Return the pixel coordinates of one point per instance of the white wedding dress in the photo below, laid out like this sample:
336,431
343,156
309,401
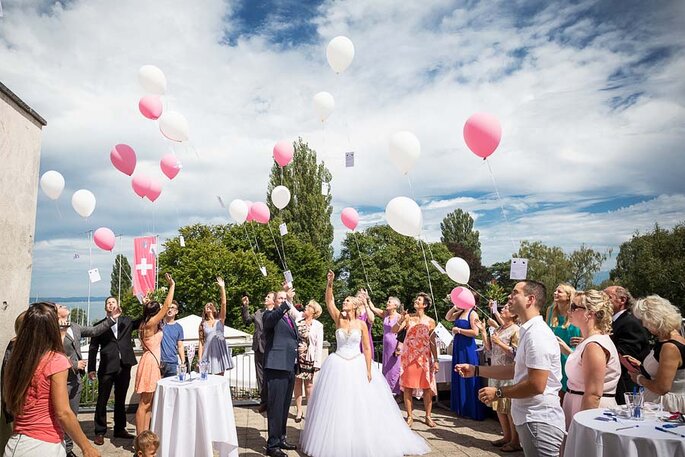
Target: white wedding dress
348,416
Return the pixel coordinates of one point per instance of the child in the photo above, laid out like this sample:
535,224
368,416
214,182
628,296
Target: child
146,444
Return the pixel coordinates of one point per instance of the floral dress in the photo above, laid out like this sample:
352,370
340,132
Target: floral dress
417,372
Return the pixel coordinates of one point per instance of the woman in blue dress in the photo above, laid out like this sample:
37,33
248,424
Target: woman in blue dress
213,348
464,396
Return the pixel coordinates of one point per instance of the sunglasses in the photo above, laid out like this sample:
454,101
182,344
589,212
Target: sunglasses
575,307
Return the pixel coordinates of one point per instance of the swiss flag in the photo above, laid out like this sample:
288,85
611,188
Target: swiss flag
144,266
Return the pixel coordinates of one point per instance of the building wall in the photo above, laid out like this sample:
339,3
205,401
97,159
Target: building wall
20,138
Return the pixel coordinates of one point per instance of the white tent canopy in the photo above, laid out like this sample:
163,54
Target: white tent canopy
191,325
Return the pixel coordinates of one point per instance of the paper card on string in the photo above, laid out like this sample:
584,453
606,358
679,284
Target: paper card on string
288,277
519,269
438,266
263,270
153,249
349,159
94,275
182,241
444,335
283,228
493,306
325,187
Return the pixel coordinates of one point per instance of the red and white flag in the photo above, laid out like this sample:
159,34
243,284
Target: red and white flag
144,265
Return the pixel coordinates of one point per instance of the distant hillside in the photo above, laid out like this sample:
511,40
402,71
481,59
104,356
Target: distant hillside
73,299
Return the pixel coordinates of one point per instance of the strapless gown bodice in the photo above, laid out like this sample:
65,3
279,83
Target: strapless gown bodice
348,343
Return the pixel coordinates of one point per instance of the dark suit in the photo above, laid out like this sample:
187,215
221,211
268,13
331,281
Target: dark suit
116,360
72,349
630,338
258,346
280,361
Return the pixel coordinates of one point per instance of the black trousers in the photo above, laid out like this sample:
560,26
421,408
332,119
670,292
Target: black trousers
120,380
259,370
74,387
280,385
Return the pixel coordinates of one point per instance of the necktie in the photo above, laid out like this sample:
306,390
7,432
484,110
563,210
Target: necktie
290,322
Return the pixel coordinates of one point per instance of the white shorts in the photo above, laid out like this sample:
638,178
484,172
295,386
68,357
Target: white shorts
25,446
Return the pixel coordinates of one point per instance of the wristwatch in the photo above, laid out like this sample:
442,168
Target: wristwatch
499,393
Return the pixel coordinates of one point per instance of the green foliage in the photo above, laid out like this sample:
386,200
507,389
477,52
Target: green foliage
395,266
457,227
78,315
583,264
496,292
308,214
120,286
225,251
654,263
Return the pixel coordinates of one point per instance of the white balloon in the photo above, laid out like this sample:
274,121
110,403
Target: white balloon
405,150
404,216
152,79
458,270
280,197
238,210
83,202
174,126
339,53
52,184
324,103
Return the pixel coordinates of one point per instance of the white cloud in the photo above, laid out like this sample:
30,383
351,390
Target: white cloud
420,67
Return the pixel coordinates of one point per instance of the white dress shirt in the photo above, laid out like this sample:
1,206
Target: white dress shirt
538,349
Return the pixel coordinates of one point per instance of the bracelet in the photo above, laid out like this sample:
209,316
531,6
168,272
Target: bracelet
637,380
476,369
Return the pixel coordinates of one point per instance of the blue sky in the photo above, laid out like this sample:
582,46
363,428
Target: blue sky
590,95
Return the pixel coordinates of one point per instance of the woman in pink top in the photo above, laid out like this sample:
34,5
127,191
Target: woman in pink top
36,389
593,368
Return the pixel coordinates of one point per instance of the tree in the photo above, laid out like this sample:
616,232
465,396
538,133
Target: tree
457,228
547,264
654,263
120,286
308,214
584,263
480,276
394,265
78,316
224,250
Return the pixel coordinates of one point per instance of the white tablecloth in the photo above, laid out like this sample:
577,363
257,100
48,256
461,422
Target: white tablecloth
444,374
589,437
192,417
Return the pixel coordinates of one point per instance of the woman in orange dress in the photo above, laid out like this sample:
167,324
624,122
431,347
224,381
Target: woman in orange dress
419,358
149,372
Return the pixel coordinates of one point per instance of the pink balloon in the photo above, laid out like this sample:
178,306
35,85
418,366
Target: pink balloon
154,191
260,212
462,298
150,106
123,158
283,153
170,165
104,238
141,185
482,133
250,217
350,218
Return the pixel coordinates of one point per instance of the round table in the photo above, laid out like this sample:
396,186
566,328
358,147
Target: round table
192,417
590,437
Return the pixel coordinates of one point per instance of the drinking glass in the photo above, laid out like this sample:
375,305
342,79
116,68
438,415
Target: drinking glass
181,372
635,405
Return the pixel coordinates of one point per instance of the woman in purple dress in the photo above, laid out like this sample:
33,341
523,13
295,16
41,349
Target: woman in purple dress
391,359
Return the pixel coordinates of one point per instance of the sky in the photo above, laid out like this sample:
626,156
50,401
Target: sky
590,95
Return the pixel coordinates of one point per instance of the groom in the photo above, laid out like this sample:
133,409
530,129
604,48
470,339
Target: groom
280,361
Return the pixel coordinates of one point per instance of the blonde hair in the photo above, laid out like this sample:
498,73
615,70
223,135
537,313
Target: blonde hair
317,308
659,314
357,302
598,302
145,441
554,309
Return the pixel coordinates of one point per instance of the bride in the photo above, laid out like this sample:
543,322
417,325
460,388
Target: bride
351,392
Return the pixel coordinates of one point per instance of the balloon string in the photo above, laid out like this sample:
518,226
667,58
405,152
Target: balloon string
254,233
59,213
430,284
285,267
256,259
361,259
501,204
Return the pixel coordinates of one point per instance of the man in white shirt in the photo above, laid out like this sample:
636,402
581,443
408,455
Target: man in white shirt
536,372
